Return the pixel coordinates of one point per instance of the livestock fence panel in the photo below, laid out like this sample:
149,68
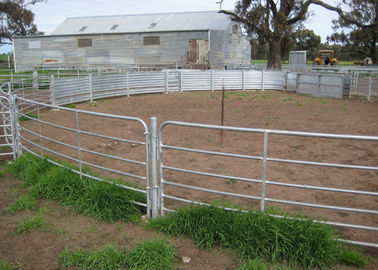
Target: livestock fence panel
65,90
251,176
118,150
320,84
364,85
7,138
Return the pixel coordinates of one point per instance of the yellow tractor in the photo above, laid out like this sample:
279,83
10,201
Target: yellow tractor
325,58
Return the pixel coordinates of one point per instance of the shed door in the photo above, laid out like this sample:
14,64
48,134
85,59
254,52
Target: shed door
198,51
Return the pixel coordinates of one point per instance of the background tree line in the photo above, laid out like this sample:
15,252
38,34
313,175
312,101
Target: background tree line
276,26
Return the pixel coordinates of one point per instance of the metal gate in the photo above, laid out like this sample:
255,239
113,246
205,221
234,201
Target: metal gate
184,177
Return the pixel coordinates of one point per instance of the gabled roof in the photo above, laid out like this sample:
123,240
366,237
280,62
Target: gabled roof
184,21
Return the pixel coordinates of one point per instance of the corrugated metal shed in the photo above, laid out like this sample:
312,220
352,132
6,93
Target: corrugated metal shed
184,21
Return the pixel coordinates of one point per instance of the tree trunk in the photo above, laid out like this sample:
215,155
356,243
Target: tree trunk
373,49
274,57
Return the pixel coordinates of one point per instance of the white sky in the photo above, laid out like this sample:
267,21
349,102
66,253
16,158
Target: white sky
49,15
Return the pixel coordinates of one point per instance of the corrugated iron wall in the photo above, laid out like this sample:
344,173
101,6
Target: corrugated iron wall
124,49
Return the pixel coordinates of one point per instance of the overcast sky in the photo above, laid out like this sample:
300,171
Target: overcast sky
49,15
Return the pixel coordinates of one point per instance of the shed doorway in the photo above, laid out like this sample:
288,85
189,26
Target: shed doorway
198,51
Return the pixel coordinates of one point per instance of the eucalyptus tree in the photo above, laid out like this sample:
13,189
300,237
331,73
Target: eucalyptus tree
16,19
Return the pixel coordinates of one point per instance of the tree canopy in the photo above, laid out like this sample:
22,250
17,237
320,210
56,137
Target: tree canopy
16,20
362,23
270,21
274,22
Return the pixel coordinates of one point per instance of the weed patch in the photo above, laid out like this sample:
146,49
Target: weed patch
354,258
151,254
7,266
103,200
27,117
255,235
25,202
32,223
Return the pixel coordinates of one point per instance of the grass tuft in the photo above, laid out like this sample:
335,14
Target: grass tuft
25,202
32,223
150,254
255,235
7,266
354,257
103,200
106,258
27,117
250,264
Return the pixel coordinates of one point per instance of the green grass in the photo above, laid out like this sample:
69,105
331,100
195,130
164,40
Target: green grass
231,181
151,254
32,223
71,106
103,200
255,235
25,202
7,266
354,257
27,117
250,264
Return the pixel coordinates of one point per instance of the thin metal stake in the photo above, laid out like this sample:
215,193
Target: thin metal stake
263,184
222,112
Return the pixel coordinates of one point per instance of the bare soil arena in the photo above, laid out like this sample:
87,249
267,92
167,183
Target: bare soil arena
265,110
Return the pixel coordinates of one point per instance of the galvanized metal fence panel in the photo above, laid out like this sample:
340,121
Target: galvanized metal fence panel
73,89
364,85
6,127
194,80
169,179
320,84
36,138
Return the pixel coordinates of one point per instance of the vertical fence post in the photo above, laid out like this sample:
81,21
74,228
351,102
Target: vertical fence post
128,83
318,83
90,87
166,81
17,150
212,80
154,169
52,90
262,80
35,79
243,80
369,88
351,85
263,184
180,81
148,178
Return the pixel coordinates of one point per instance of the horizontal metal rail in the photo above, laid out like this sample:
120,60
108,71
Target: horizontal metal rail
83,149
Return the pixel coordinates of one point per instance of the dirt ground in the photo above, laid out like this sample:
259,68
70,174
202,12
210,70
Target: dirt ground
264,110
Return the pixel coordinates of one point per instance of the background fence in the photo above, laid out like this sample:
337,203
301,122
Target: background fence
113,155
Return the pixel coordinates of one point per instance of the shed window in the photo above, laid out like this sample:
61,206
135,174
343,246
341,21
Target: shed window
84,42
114,27
82,29
152,25
153,40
